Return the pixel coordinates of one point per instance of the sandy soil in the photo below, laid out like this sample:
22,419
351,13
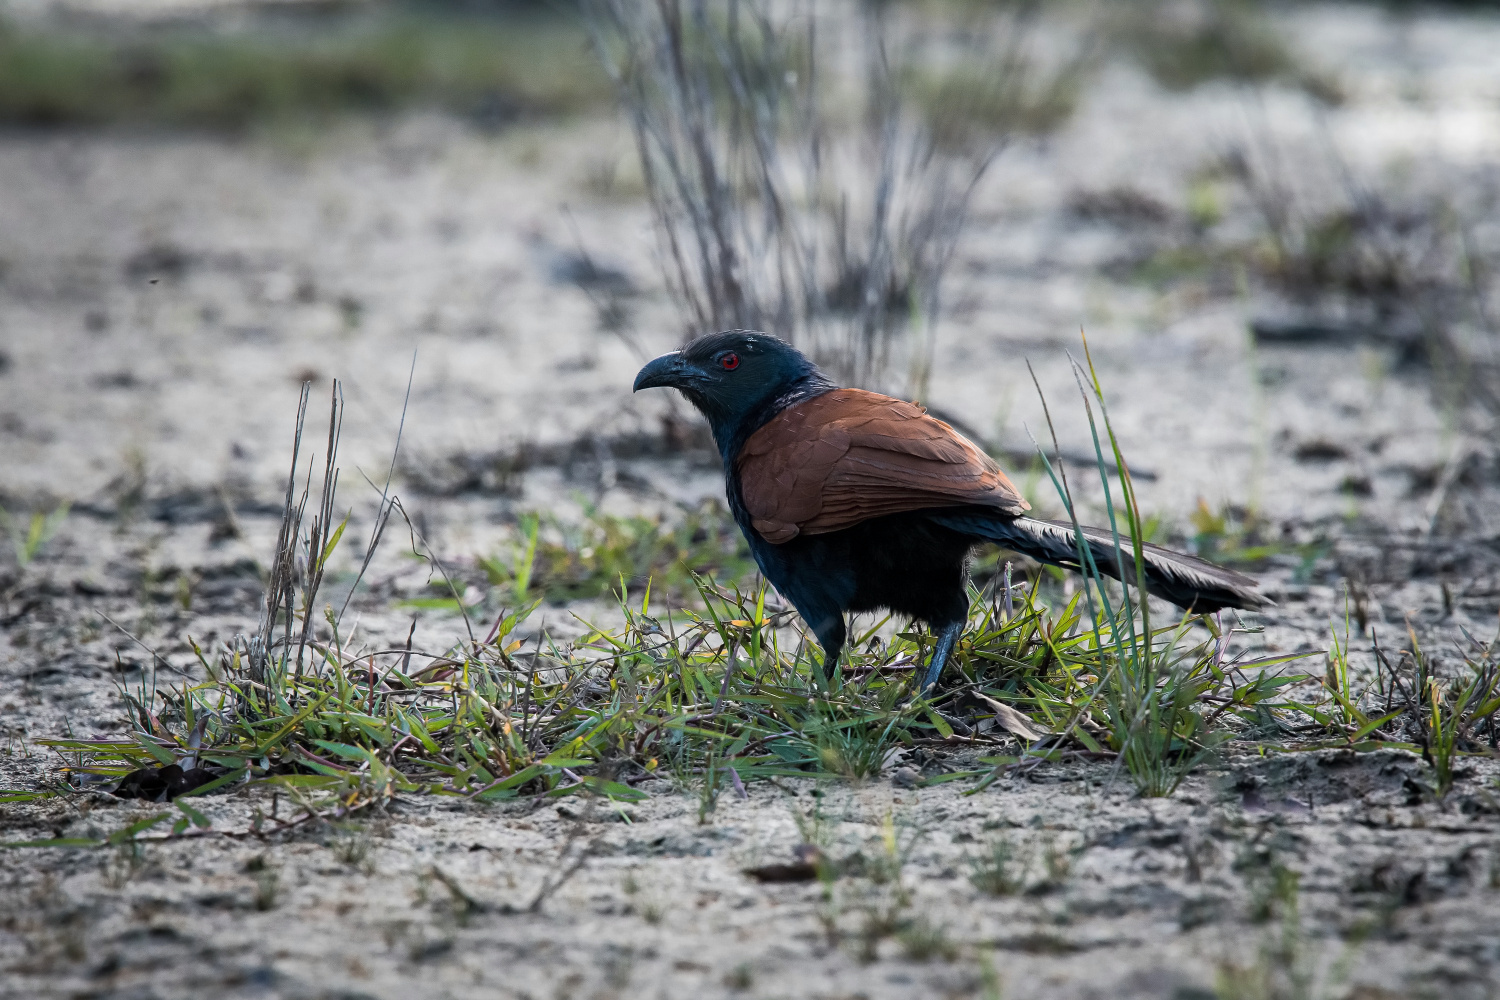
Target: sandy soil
162,296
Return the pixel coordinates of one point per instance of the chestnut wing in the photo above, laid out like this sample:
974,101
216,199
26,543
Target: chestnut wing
849,455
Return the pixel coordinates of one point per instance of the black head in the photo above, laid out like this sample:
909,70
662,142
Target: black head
730,377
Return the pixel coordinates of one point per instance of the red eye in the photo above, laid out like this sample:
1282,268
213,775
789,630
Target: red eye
729,362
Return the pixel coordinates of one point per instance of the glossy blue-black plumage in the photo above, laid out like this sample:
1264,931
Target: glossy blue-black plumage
904,562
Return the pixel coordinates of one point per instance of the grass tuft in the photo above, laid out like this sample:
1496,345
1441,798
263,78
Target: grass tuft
998,871
923,940
267,888
28,538
1218,40
1288,964
1443,717
1155,685
558,561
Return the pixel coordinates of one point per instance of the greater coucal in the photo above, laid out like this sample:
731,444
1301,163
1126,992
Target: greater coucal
854,501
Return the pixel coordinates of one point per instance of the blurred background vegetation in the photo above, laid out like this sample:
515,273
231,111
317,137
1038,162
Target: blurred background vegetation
492,63
223,66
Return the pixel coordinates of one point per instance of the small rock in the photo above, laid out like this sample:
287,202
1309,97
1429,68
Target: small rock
906,777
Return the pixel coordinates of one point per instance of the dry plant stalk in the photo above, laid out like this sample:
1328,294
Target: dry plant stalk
799,182
299,559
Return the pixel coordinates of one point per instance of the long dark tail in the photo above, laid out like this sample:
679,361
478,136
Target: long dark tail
1186,581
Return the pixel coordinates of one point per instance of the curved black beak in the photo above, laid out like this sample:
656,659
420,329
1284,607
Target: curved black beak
667,371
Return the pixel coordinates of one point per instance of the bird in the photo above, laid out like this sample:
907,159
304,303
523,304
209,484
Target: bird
855,501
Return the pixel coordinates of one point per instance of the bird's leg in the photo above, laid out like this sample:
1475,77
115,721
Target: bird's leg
946,640
831,634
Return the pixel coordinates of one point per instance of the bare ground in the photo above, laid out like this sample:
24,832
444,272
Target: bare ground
162,296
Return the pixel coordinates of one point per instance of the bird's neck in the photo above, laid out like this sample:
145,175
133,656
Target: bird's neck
731,433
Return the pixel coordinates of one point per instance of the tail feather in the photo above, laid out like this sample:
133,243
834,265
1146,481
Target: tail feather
1186,581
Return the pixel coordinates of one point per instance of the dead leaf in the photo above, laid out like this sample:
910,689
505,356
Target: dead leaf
1013,720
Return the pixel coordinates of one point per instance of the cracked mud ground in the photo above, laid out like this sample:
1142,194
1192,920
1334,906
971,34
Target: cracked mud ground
162,296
